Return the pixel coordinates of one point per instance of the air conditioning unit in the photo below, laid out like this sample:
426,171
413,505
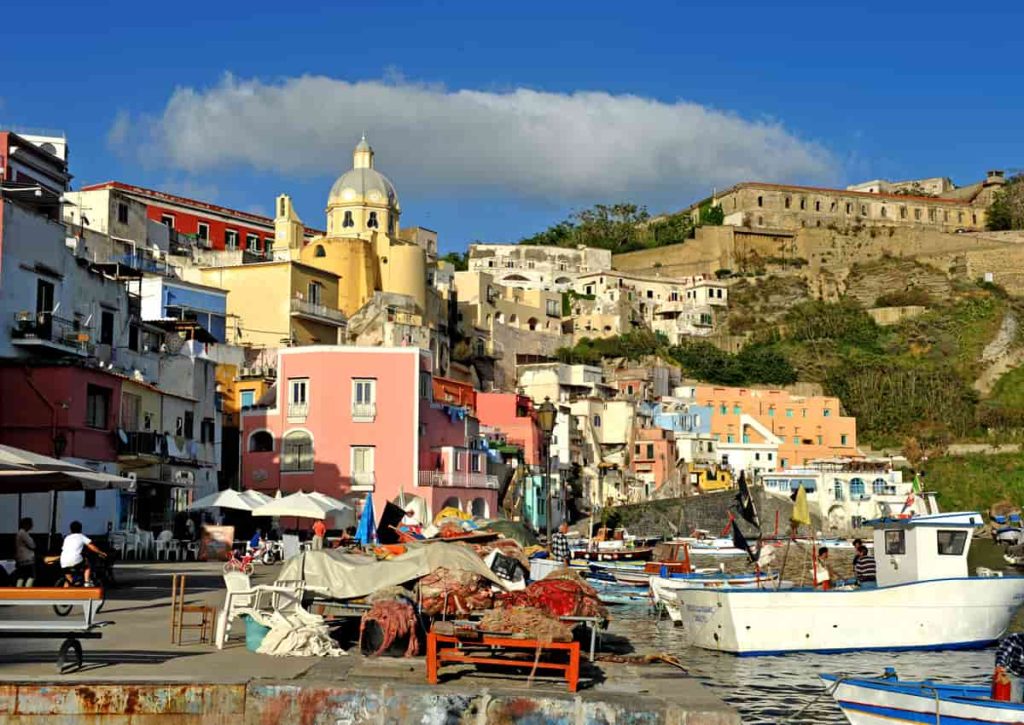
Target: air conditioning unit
246,372
185,478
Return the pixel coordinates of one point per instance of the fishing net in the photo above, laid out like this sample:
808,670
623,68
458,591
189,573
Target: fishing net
536,623
560,597
454,591
396,618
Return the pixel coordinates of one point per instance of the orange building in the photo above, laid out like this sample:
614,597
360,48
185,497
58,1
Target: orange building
455,392
808,427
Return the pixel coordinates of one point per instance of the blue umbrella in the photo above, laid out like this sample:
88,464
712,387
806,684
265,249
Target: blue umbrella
367,531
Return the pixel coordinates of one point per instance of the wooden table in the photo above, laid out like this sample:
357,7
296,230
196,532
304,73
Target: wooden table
443,648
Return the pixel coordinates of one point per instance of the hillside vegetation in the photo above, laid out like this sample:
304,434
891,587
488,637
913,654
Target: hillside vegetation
913,380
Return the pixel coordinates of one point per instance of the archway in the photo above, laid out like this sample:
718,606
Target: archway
479,508
452,501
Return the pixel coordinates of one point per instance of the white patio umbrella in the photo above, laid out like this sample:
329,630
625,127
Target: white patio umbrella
300,504
256,498
227,499
23,471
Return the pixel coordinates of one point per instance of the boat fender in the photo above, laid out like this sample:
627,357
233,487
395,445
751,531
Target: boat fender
1000,685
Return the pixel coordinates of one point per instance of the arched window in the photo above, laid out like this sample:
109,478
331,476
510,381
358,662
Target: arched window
452,502
479,508
261,442
319,251
837,490
788,202
513,319
371,223
348,221
856,488
760,201
878,486
297,451
532,323
500,318
884,212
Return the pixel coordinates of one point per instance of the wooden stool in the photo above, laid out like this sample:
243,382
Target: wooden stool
207,614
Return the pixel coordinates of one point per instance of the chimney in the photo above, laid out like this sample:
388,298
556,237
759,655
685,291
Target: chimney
995,178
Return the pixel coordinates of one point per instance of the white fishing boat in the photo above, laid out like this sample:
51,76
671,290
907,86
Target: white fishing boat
924,599
664,589
878,700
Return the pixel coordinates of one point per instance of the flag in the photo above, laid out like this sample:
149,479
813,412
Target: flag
801,514
745,502
366,533
916,487
741,543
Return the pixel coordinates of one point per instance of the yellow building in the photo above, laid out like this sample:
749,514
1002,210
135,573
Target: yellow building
279,303
362,246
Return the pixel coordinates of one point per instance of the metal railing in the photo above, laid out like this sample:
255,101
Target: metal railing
324,312
460,479
141,443
298,410
365,479
364,410
47,327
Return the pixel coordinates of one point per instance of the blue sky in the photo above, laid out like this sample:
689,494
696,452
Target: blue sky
495,120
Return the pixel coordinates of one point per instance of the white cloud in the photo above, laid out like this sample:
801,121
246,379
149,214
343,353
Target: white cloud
562,146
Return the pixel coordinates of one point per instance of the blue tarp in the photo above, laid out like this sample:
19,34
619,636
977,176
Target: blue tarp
366,533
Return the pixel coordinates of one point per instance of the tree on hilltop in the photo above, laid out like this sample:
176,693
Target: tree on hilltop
1007,210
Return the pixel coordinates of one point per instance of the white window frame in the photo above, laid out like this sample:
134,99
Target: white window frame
363,477
315,293
165,218
201,235
364,400
296,466
298,404
230,239
252,242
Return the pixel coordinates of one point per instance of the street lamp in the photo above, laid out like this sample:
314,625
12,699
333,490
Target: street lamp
546,414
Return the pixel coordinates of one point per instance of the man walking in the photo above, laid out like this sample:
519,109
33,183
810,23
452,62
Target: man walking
560,545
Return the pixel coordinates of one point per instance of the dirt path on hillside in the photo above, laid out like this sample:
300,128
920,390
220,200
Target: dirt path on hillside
999,354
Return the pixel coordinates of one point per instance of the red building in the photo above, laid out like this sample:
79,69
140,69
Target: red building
454,392
212,226
513,415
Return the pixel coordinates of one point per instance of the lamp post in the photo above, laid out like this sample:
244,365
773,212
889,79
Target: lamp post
546,414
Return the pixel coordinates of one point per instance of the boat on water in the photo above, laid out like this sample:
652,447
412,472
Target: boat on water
665,589
667,558
1007,528
924,599
615,545
877,700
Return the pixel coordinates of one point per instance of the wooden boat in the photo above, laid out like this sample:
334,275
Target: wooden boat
887,699
924,599
613,545
665,589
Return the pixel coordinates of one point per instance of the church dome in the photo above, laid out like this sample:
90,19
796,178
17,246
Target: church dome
363,184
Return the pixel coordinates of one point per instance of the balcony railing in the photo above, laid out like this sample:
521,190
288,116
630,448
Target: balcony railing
141,443
459,479
298,410
43,328
363,481
321,312
365,411
146,264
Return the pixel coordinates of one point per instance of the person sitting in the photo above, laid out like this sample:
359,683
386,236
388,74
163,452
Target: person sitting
72,557
255,542
864,567
823,570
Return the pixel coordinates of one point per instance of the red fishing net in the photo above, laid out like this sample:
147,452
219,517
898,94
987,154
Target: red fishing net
560,597
454,591
396,618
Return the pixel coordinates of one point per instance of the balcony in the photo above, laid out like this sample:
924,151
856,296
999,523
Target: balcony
44,332
317,313
364,411
458,479
147,264
135,444
362,482
298,410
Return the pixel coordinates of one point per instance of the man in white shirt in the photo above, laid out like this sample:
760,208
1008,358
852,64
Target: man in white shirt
72,552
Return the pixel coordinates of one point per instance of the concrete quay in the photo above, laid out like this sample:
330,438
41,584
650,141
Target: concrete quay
134,676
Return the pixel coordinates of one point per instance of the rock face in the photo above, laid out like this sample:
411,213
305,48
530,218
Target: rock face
868,282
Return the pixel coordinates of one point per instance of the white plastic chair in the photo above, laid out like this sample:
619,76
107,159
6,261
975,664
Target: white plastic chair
259,602
165,546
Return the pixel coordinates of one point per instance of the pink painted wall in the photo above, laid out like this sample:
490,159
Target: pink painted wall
330,372
498,410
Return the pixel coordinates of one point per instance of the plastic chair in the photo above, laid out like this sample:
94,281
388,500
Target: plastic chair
165,546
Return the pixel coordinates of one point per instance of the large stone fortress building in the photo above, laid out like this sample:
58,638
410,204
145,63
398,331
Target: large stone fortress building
934,204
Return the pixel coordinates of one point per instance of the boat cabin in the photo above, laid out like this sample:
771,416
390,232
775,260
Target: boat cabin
922,548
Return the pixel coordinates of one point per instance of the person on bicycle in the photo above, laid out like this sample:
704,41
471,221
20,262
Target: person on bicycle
72,556
255,542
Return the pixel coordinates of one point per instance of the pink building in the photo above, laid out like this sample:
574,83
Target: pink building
513,415
654,457
351,420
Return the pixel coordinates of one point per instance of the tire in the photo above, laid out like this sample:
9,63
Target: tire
63,610
248,569
268,558
72,647
230,567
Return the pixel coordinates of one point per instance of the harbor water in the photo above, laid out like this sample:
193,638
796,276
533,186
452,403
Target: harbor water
768,690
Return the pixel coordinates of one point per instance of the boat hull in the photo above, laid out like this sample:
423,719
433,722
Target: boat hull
615,555
938,614
871,701
664,589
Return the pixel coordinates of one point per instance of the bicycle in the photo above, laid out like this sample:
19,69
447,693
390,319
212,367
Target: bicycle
73,576
243,564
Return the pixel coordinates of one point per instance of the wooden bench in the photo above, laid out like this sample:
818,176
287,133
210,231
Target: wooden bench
71,631
486,649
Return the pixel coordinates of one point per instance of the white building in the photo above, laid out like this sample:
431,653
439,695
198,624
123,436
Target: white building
537,267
